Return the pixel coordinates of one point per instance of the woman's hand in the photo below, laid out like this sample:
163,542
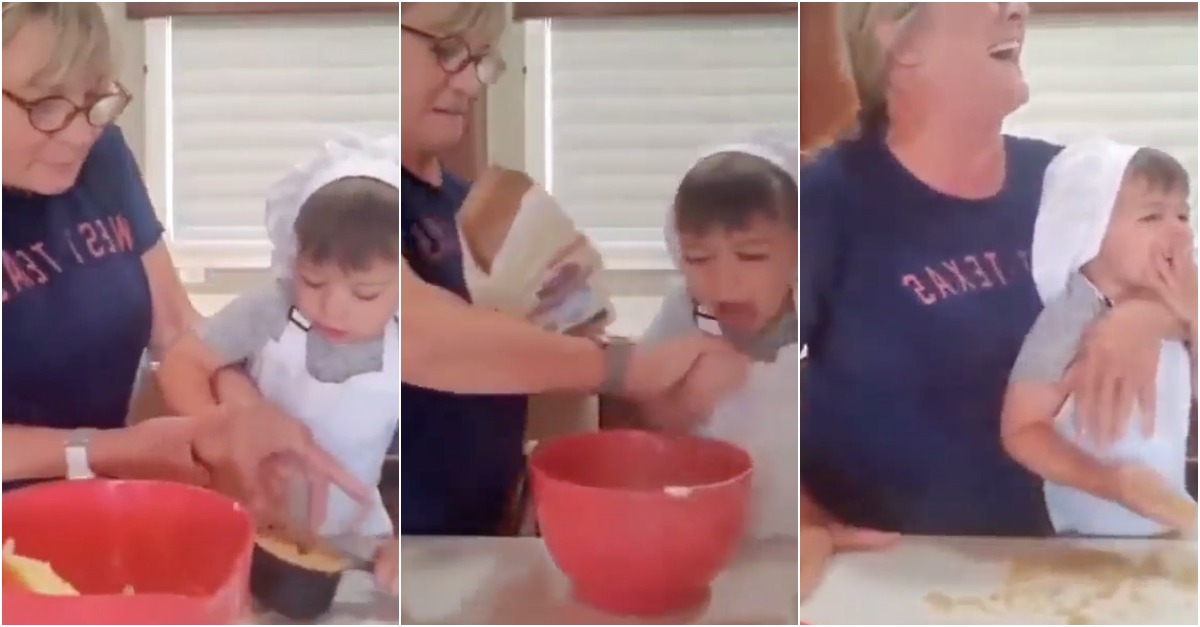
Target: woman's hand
818,544
257,450
657,368
816,547
690,402
387,567
712,379
1117,367
158,448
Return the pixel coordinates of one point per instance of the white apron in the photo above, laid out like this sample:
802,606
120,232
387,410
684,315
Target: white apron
355,420
1075,511
763,419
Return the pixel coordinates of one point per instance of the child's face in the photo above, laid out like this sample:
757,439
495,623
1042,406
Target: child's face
347,306
1148,222
743,277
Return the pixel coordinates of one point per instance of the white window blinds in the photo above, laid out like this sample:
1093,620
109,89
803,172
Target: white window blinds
248,97
618,109
1131,78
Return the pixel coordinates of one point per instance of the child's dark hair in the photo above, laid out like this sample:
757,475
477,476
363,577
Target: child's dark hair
351,222
1159,170
728,189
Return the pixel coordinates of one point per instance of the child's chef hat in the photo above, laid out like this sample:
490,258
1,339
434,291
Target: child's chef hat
1078,196
348,155
779,146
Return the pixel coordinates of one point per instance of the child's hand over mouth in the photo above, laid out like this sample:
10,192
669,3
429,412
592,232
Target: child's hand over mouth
1174,279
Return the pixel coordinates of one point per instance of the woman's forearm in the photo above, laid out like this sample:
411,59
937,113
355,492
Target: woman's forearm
41,453
33,453
232,385
449,345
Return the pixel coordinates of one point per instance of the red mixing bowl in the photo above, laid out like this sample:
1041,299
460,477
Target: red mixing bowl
639,522
184,550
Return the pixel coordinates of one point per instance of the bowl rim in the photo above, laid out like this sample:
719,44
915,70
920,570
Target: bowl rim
688,490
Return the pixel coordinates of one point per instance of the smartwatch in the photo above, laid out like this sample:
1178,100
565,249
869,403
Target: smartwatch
78,466
618,353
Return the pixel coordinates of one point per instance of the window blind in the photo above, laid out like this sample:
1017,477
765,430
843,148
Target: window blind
251,96
630,102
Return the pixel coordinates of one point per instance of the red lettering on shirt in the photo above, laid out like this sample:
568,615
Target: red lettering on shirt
979,272
38,263
119,227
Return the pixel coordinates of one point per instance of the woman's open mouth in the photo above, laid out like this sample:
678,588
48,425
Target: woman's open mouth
1007,51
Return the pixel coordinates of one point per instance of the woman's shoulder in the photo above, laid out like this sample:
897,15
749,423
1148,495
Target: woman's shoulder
1031,153
826,168
419,198
110,184
110,168
111,151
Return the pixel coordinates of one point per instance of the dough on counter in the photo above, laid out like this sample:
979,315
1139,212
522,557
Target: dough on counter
1074,584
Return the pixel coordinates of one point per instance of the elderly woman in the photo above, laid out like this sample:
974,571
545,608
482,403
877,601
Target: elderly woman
467,370
89,285
916,290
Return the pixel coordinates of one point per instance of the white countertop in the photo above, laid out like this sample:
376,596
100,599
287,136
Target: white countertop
513,581
913,583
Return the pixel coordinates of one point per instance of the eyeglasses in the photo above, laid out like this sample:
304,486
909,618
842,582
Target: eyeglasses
55,113
454,55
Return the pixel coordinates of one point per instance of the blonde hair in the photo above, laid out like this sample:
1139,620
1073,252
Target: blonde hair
869,60
485,19
81,39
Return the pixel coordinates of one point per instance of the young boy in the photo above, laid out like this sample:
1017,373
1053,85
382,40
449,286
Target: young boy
322,340
733,235
1112,227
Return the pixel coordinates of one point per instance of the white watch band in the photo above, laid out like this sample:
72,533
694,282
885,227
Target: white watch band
78,466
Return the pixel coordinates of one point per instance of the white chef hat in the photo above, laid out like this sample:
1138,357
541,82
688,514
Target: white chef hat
781,147
1078,196
348,155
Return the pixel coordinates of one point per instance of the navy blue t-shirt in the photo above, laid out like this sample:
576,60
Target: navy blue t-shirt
77,312
461,454
914,305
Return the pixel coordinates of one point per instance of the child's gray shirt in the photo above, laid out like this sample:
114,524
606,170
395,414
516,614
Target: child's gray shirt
243,327
1052,343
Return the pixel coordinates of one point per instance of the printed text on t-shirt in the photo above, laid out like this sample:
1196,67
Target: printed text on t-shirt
37,263
966,274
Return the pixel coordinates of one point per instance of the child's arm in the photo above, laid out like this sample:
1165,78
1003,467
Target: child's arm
1027,431
1036,393
231,336
1034,398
